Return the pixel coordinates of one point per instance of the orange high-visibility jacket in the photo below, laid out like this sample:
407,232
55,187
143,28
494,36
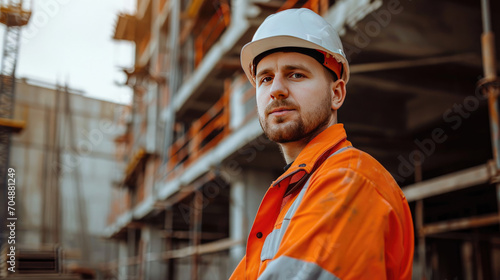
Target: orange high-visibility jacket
348,220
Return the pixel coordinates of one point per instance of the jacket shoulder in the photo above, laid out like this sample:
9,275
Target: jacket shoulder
355,162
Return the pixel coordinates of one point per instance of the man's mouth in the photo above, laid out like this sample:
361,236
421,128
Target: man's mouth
280,111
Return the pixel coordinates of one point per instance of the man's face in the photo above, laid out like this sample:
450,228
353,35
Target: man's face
294,97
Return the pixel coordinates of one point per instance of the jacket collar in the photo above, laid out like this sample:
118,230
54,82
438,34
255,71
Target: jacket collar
329,140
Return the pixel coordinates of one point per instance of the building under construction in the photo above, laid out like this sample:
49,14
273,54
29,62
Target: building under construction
195,164
62,161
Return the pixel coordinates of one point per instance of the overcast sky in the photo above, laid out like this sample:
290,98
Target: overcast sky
71,40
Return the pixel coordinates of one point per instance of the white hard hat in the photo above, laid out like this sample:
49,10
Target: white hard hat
301,28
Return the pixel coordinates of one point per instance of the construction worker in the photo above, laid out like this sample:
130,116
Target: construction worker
335,213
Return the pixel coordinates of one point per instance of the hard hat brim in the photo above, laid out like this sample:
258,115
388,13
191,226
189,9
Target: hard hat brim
253,49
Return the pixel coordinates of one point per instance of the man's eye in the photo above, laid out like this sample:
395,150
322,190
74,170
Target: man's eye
265,80
297,76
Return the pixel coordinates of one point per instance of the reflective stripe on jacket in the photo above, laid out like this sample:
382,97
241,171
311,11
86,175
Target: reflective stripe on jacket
350,220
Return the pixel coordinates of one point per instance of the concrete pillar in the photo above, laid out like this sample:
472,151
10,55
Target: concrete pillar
152,115
237,223
144,267
257,182
237,111
238,10
156,269
247,191
468,260
122,260
132,251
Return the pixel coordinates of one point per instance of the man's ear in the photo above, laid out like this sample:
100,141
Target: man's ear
338,94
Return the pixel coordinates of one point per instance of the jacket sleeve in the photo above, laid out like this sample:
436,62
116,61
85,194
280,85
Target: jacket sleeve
342,229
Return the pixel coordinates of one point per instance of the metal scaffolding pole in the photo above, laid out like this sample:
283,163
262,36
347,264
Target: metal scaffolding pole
79,195
195,228
56,151
419,223
169,246
489,83
490,86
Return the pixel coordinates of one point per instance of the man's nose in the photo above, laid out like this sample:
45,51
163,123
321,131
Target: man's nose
279,88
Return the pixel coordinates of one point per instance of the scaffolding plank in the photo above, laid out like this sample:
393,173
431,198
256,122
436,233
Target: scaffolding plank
466,223
188,235
212,247
451,182
427,61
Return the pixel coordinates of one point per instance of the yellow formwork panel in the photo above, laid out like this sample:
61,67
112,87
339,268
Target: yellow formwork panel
14,125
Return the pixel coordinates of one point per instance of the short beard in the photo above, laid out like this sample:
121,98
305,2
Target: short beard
298,130
294,132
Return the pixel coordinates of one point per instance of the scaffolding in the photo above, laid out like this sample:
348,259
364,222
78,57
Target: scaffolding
165,221
14,17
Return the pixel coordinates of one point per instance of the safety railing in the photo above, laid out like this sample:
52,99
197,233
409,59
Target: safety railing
144,188
212,31
204,133
143,44
120,204
141,192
